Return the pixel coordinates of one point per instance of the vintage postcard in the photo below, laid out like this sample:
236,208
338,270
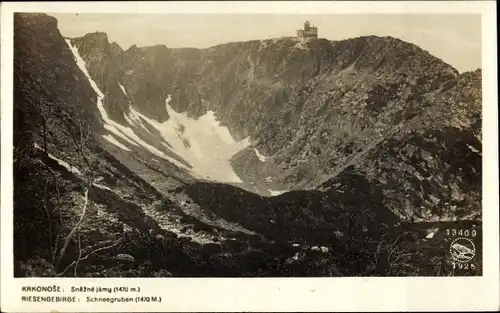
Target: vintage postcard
249,156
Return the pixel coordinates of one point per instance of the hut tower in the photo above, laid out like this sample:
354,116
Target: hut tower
308,31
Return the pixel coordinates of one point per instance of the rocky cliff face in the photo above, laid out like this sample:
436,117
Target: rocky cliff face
366,134
311,109
60,170
72,193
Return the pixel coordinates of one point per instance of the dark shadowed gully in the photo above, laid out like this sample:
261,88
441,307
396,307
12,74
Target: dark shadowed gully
279,157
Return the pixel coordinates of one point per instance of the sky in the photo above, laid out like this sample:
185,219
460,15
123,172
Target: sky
456,39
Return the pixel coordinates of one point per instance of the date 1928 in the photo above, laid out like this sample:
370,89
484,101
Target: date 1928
464,266
462,249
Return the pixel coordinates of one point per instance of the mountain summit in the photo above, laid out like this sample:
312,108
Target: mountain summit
300,103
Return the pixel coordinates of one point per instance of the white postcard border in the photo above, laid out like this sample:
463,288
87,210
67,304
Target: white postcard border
278,294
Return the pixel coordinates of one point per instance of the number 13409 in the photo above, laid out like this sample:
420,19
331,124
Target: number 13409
461,232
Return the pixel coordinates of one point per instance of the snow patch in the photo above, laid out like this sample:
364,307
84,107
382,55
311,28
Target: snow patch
113,140
70,168
202,142
65,164
101,186
277,192
473,149
261,157
109,124
81,64
129,121
123,89
74,170
126,133
134,119
166,145
115,131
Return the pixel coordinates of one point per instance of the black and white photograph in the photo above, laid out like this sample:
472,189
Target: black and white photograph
249,156
247,145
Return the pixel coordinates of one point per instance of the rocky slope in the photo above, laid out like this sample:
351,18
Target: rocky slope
311,109
173,154
64,170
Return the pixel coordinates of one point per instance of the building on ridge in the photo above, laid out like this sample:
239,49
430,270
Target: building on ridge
308,31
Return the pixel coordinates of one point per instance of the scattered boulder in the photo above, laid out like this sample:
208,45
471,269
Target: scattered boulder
125,257
338,234
431,233
297,257
126,228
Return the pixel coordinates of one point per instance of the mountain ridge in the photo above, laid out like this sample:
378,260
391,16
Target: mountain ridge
274,39
187,75
362,41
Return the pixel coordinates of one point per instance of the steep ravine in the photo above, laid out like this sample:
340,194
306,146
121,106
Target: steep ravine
309,110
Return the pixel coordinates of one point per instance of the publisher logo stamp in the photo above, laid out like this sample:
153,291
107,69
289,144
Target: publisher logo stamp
462,250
